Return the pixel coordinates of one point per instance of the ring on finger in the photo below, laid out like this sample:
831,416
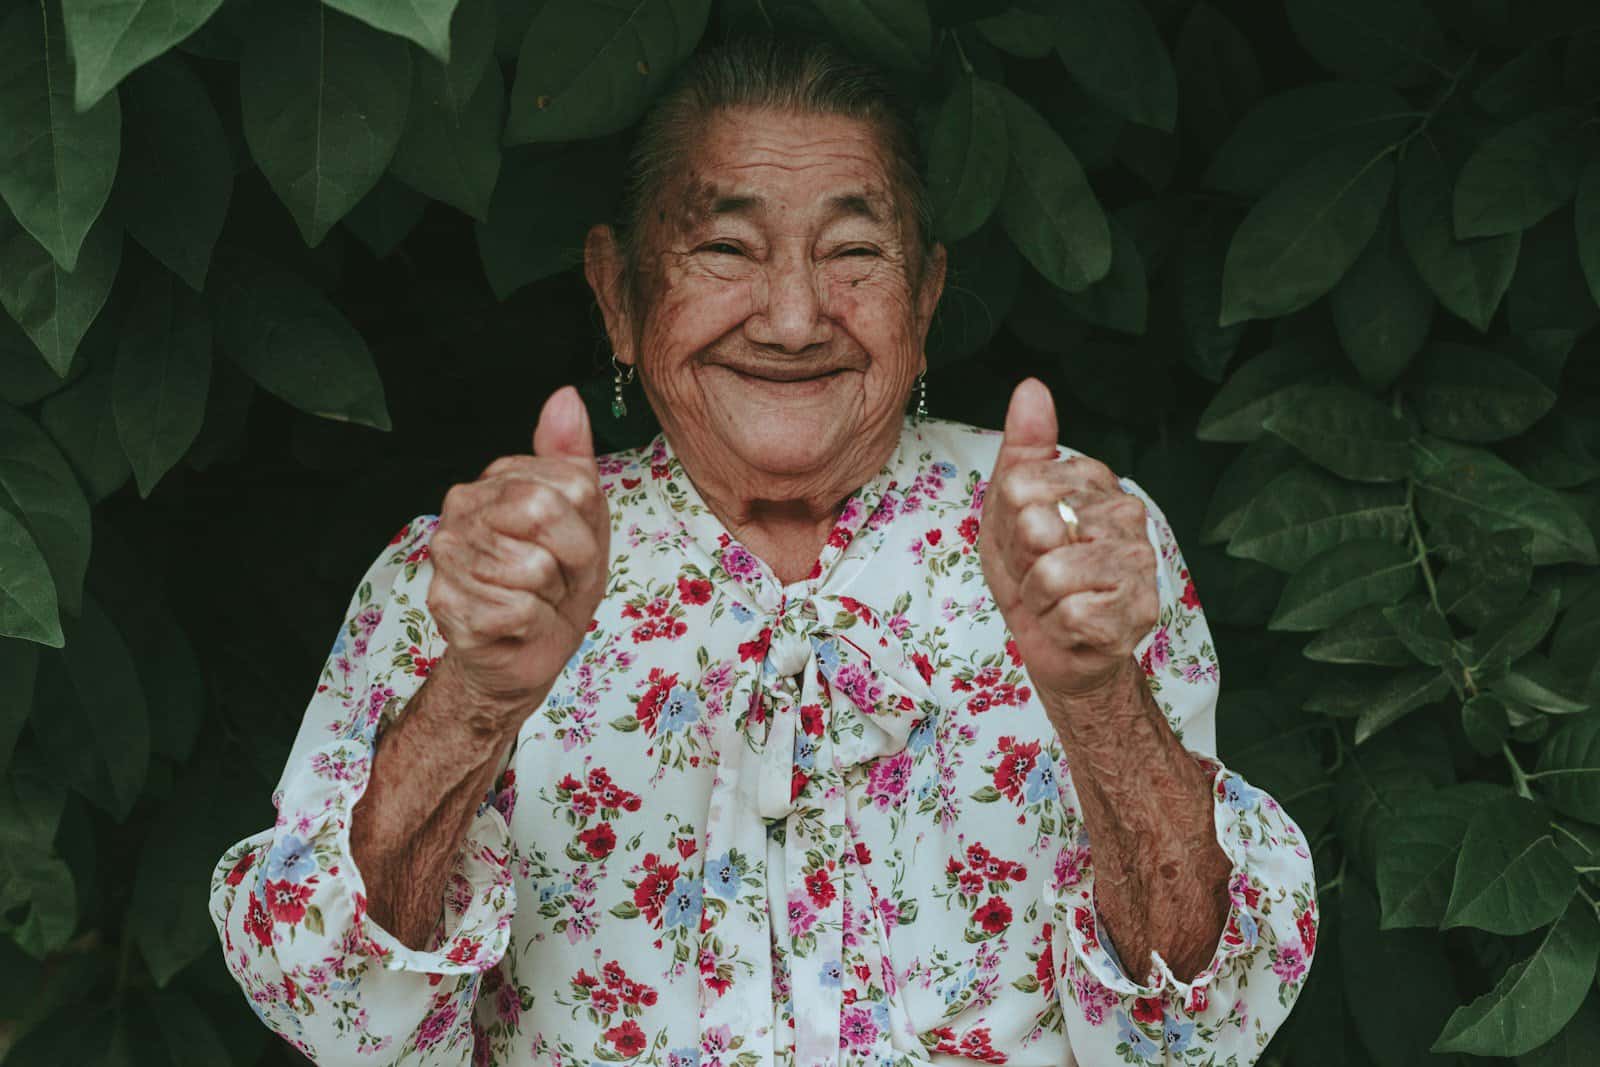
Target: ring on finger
1069,516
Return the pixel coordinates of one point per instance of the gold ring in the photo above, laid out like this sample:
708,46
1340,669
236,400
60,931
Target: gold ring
1068,516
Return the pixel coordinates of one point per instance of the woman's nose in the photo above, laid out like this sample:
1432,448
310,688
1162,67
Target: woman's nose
792,315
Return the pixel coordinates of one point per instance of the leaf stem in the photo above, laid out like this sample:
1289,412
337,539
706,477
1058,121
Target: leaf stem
1518,778
961,53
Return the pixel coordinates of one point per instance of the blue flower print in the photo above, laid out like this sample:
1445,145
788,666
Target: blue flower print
944,469
683,903
921,735
827,658
722,877
1241,797
880,1016
1247,928
805,752
338,644
831,974
688,1056
1041,781
740,612
1178,1034
290,860
1142,1047
682,708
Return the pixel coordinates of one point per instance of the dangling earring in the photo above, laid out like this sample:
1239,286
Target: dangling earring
619,406
922,399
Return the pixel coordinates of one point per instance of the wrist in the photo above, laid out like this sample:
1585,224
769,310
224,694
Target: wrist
487,715
1110,699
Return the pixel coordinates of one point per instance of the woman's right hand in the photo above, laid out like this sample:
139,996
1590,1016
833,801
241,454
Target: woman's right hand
519,566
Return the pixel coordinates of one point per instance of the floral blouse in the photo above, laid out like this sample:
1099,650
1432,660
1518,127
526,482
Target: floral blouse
756,823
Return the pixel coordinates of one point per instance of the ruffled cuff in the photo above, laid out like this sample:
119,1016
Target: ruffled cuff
316,897
1271,927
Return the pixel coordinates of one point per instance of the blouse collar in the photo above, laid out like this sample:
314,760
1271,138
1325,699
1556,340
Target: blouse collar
871,505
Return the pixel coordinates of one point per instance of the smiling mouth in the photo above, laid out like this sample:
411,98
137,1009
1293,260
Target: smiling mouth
786,375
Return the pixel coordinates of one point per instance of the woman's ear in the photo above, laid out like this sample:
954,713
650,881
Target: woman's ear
602,268
930,289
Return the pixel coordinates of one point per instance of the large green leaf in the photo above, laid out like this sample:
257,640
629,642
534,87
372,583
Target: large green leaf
176,176
1398,698
1587,222
893,33
1304,512
1268,383
1469,277
56,307
1510,877
427,22
80,420
1536,996
106,684
1346,577
1382,311
1549,291
1519,175
386,215
1568,772
296,345
967,158
1398,983
1574,1046
1487,574
1120,301
111,38
1300,239
1473,394
523,241
1201,257
1286,131
1391,41
979,291
56,164
451,148
1048,207
19,659
1345,431
1113,49
1241,482
1219,79
324,102
1364,637
39,485
1459,480
163,371
1515,633
1575,640
31,873
27,593
588,69
1417,849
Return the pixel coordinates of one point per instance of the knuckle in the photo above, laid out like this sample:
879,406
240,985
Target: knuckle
456,500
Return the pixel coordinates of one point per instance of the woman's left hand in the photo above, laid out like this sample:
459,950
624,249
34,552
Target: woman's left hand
1076,607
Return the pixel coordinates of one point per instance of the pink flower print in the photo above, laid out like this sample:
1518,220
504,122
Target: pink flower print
1093,998
859,685
802,916
1070,864
889,912
857,1031
1290,963
436,1025
508,1006
739,563
717,1039
888,778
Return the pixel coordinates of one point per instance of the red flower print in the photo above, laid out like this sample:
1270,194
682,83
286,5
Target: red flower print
811,719
1307,922
798,780
980,703
1199,997
1015,767
599,839
465,950
614,974
631,483
820,886
648,710
863,854
584,980
934,536
924,667
1083,919
419,555
569,784
637,993
627,1039
970,883
287,900
651,895
993,916
969,529
694,590
757,649
1149,1009
1191,599
1012,653
421,665
604,1001
257,922
401,535
236,875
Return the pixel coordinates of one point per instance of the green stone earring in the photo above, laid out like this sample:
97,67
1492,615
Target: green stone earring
619,406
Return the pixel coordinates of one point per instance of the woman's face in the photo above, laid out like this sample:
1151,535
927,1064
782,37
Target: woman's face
778,333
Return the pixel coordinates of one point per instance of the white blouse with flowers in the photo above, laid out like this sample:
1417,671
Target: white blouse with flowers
755,823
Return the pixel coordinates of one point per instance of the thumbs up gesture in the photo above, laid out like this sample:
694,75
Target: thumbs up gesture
519,560
1076,601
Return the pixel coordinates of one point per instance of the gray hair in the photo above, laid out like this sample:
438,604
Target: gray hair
782,74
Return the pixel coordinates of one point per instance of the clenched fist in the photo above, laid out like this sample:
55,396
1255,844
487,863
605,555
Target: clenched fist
1076,607
519,560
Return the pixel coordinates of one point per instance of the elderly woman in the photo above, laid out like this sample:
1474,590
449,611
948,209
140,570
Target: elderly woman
808,733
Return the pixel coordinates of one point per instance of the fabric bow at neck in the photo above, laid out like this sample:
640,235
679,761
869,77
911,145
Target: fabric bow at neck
835,690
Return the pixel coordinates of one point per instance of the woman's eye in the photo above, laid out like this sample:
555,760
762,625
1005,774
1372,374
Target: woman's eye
722,248
858,250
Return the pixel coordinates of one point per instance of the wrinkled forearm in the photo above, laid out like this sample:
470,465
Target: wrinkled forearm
431,769
1161,878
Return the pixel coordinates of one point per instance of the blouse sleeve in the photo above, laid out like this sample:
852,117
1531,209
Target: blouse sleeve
1229,1011
289,903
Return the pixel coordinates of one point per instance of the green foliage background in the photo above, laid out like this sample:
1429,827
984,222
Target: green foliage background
1320,274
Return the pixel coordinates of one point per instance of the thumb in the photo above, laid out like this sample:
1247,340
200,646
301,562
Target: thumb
1031,431
563,428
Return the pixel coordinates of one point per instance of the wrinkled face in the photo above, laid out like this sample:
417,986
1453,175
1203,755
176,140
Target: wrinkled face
778,332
